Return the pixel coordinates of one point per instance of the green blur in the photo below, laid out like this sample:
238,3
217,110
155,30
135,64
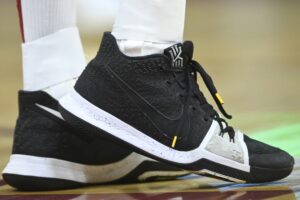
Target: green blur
284,137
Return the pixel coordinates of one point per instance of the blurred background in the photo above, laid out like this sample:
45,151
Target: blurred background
250,48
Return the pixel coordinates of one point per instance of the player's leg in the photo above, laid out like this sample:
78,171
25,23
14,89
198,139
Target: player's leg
154,104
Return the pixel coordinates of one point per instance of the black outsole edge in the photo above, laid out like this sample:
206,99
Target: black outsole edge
33,183
256,174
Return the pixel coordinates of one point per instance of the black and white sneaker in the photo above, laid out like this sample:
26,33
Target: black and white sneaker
47,154
154,104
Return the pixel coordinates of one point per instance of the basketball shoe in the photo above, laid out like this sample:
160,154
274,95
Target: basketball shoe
153,103
48,154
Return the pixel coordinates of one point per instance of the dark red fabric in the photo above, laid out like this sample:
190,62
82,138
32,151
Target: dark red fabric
19,6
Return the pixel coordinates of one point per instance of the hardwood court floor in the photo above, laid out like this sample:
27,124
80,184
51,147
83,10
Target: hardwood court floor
252,51
189,187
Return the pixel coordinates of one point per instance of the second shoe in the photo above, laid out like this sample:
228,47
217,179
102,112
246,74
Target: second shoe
48,154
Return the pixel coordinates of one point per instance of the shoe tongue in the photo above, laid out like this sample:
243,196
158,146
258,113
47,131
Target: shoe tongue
180,54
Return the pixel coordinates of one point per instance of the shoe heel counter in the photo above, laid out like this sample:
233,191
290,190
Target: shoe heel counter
33,135
96,80
39,133
23,123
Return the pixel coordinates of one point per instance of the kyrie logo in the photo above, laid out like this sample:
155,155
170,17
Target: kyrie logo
175,53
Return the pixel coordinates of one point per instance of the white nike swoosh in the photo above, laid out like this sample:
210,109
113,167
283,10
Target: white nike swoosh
50,110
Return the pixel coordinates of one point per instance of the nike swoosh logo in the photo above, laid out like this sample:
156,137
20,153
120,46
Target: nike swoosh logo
164,124
51,111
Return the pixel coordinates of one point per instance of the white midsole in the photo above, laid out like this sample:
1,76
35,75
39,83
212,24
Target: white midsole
55,168
88,112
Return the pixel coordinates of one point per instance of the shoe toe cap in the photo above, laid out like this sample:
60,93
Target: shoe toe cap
267,163
266,156
276,160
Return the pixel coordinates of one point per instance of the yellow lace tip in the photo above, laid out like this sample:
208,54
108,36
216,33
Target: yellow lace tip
174,141
219,98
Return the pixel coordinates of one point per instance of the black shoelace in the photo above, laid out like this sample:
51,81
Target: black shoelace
189,79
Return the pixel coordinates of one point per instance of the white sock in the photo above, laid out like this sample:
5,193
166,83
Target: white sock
44,17
144,27
52,51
